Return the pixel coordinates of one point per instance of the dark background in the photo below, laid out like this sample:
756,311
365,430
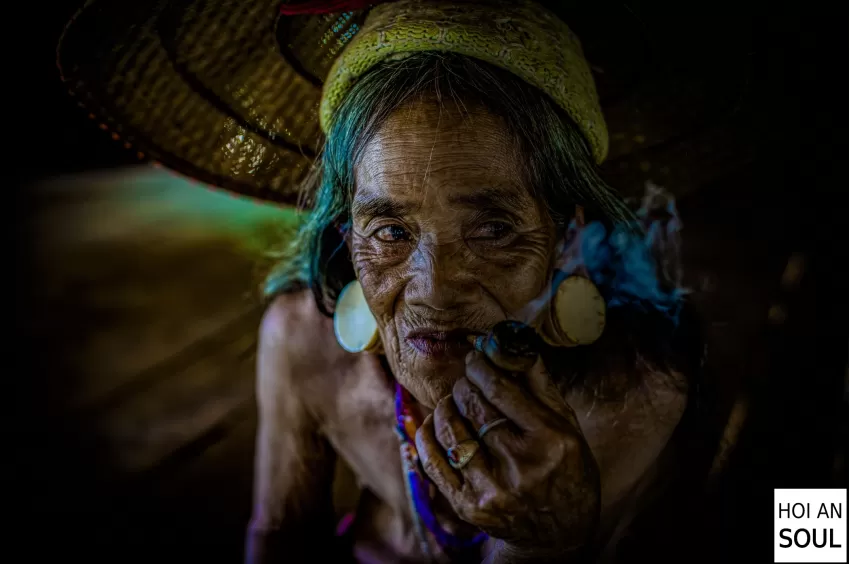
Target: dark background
746,212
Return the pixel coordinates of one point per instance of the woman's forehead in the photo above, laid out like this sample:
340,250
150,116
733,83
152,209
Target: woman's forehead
444,151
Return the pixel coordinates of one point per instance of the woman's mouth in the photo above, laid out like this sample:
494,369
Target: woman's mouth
440,344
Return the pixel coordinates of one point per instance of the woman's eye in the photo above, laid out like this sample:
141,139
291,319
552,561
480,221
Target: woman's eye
392,233
492,230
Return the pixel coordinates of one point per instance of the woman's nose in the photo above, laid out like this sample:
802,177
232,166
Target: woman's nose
440,279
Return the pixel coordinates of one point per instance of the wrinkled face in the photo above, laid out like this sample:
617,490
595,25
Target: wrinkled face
447,239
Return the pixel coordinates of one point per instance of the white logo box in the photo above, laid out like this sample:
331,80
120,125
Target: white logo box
810,525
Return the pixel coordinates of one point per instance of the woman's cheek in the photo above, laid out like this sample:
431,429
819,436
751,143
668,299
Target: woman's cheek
518,275
380,278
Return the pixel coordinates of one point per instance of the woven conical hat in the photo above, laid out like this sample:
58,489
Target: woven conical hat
228,91
205,87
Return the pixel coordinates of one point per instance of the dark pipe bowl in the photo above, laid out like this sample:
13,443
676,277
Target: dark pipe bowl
513,346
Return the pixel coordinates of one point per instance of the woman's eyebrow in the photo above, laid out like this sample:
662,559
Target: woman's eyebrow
378,206
509,199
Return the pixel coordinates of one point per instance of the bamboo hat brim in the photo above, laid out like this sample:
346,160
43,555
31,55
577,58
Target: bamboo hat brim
227,92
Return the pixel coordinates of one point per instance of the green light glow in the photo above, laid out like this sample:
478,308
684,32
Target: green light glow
147,203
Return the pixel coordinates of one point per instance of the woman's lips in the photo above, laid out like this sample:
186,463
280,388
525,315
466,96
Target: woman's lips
440,344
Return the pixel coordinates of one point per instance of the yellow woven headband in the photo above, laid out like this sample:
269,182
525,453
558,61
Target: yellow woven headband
525,39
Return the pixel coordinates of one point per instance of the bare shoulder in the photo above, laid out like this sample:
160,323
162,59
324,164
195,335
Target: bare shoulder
297,349
290,316
292,324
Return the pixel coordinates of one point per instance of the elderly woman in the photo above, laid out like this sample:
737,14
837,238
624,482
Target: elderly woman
457,189
447,194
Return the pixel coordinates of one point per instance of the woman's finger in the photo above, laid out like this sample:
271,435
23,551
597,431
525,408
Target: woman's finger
506,394
543,388
482,416
454,434
434,461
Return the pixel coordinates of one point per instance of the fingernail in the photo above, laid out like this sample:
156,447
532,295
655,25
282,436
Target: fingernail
469,356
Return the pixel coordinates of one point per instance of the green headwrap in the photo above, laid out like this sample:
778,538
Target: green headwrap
523,38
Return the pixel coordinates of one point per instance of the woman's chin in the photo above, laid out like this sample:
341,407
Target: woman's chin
429,383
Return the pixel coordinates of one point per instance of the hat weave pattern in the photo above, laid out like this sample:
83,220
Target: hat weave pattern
202,87
229,92
517,35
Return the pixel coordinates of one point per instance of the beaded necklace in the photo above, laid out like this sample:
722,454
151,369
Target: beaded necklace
419,488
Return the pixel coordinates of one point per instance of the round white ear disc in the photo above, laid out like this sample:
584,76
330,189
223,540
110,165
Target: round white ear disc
578,313
354,325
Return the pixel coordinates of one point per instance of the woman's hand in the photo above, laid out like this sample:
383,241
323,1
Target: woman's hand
533,483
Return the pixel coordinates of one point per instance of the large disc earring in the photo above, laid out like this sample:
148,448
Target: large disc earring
576,314
355,327
577,311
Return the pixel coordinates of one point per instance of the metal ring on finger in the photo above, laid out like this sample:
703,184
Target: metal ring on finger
460,454
487,427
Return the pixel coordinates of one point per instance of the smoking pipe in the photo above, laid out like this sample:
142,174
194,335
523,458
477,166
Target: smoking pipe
510,345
